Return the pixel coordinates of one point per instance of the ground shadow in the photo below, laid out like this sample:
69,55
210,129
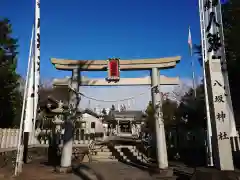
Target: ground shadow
133,161
86,173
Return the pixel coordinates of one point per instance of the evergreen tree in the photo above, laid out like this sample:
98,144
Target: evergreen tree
198,51
150,120
231,19
113,108
10,98
169,109
104,112
192,111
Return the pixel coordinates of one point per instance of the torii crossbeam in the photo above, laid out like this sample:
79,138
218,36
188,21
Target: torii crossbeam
122,82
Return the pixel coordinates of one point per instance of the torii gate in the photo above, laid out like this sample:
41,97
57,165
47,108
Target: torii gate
163,80
154,65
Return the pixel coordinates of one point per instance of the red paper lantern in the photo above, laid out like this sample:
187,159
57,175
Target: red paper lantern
113,70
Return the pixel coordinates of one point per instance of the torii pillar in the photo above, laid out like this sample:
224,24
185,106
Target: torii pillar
159,123
125,65
66,158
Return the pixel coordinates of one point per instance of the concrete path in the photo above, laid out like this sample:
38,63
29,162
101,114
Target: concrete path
110,171
85,171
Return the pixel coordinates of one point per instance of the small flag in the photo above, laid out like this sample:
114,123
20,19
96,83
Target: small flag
190,40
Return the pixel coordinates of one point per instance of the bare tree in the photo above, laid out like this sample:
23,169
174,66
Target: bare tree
59,93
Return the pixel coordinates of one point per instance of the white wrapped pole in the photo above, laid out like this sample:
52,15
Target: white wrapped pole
24,111
30,101
204,58
37,59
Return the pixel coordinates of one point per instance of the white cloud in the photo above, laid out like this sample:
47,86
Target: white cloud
122,92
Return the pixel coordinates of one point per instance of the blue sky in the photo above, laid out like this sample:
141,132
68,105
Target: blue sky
99,29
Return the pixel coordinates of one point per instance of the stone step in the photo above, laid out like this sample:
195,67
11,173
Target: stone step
102,157
105,160
102,150
104,153
124,146
102,147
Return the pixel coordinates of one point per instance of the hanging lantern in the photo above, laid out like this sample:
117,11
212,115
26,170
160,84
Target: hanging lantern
113,70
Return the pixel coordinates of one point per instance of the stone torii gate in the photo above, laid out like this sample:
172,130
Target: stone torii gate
154,65
163,80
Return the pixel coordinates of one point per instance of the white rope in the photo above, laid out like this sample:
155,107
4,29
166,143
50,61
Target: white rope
118,100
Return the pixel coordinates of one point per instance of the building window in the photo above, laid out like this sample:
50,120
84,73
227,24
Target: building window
93,125
83,125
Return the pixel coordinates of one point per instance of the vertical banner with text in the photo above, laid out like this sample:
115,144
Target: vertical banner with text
217,80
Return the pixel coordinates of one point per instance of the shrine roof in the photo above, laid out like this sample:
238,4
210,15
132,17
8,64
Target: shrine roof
137,115
90,112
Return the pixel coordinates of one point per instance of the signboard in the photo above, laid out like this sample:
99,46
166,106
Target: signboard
220,115
218,86
113,70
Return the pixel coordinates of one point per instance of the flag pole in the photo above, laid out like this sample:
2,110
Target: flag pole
204,59
192,63
193,76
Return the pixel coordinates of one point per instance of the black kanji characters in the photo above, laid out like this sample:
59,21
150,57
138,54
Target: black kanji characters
221,116
214,42
38,64
219,98
210,3
38,40
155,89
38,23
222,136
214,39
212,19
216,82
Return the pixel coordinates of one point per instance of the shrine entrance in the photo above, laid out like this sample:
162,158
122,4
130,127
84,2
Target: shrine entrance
114,66
125,127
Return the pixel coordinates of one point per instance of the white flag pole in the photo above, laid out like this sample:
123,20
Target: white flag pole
23,115
37,60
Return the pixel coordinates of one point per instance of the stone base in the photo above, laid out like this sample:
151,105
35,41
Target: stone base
166,174
214,174
86,158
64,170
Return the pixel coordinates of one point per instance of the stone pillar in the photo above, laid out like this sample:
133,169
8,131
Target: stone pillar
220,115
118,127
159,124
132,128
68,124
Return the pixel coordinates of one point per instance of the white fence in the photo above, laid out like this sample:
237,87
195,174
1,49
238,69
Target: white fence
42,137
9,139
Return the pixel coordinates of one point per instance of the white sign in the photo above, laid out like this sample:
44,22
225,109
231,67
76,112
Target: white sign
219,99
